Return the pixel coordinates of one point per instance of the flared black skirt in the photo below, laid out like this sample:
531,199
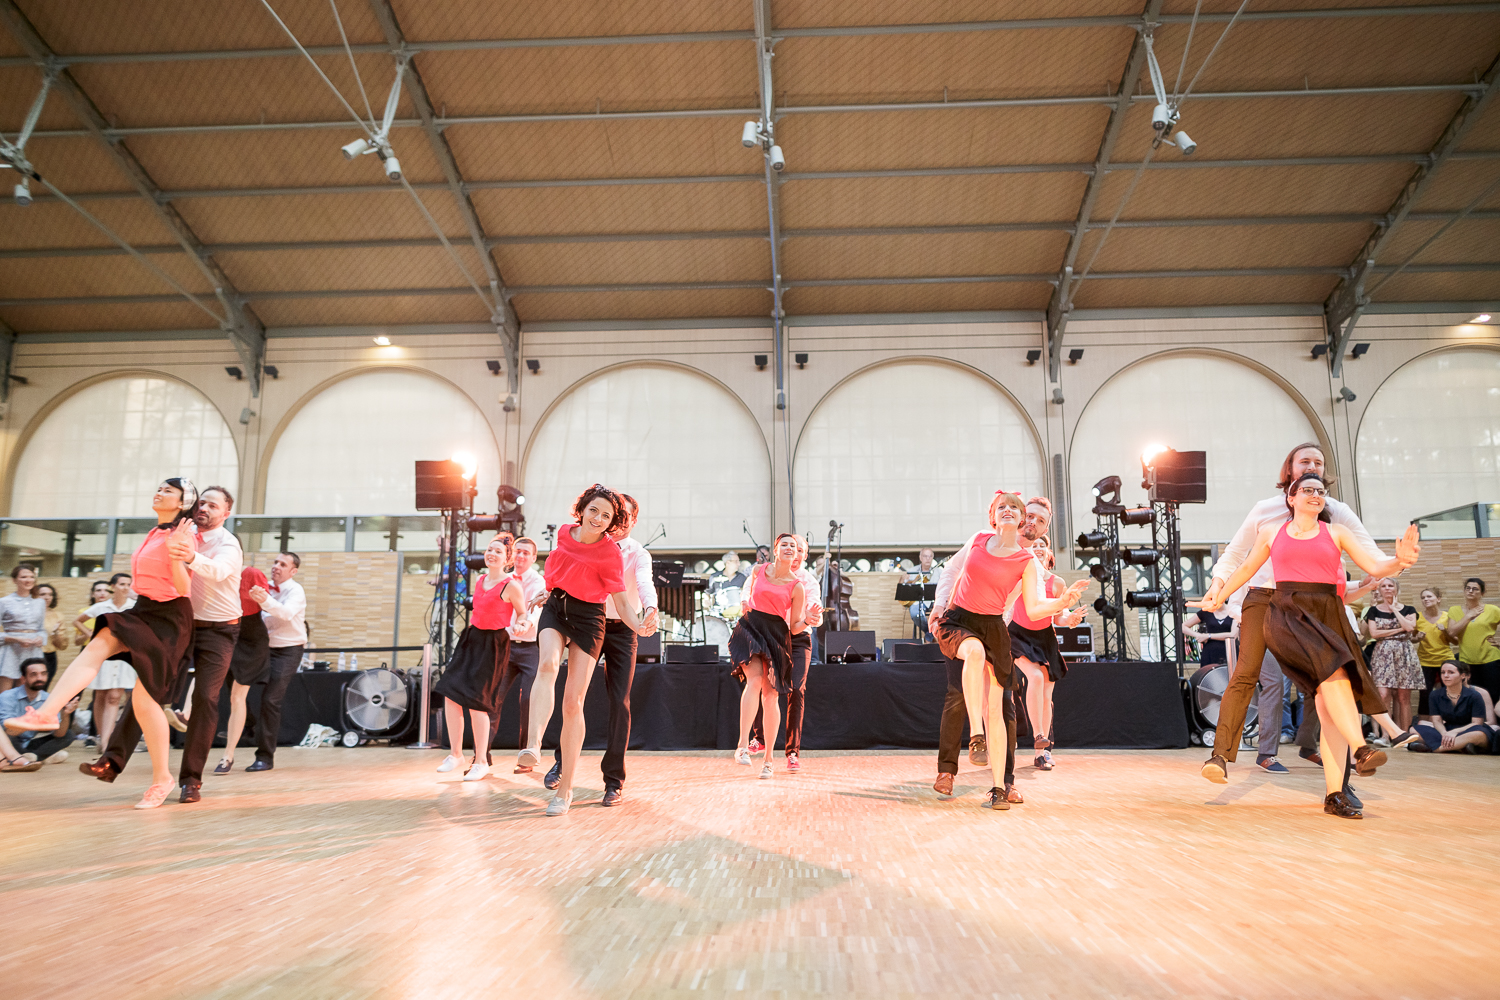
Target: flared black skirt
765,635
473,675
156,636
1039,645
1308,632
580,622
958,624
251,662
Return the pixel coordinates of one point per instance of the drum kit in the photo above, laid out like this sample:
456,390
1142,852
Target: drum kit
720,609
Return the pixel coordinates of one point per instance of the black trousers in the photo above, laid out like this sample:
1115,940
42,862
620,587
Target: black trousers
795,699
213,647
520,666
284,661
44,745
956,716
617,657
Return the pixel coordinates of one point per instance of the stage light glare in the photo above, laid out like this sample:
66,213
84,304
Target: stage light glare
1150,452
1481,318
383,341
469,463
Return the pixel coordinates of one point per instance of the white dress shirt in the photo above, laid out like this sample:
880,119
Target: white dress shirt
1272,512
532,587
285,613
215,568
811,588
637,576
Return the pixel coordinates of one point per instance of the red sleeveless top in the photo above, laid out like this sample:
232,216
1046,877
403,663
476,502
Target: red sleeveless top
1307,560
151,568
772,598
491,611
986,580
586,572
1018,611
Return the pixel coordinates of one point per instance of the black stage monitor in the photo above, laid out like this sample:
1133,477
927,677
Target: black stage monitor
848,647
678,652
441,486
916,591
1181,476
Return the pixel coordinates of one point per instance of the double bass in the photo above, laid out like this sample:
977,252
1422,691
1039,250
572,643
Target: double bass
838,614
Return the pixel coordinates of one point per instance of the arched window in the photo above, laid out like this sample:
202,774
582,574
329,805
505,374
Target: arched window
102,451
1192,402
681,444
352,448
1430,439
911,454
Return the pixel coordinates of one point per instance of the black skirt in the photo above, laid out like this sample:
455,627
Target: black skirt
156,636
251,663
1039,645
767,636
1309,633
473,675
580,622
958,624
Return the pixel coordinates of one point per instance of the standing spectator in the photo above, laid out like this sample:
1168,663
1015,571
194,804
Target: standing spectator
1393,662
284,608
83,628
57,637
116,678
23,618
1471,627
1211,630
1433,651
33,749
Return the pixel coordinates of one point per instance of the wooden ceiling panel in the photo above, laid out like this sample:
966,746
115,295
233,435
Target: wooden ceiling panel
1240,192
874,69
76,26
680,147
623,209
1161,292
1455,286
1484,134
19,86
832,13
300,158
315,270
76,164
643,305
1467,241
372,311
975,297
151,316
586,78
48,224
933,201
1225,247
1457,183
67,277
424,20
957,138
382,215
923,256
634,263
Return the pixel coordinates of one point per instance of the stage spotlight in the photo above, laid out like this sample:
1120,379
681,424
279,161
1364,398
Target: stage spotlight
1162,118
234,372
1146,599
382,341
392,168
1149,453
1185,144
1346,394
1057,396
1360,350
534,366
22,192
509,403
1108,489
751,135
778,161
1092,539
1138,515
1138,557
1318,350
1033,356
1105,609
245,415
468,462
1099,572
356,148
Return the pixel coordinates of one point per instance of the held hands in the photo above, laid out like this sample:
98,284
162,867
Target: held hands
1074,592
813,618
1071,618
1211,602
537,602
180,542
259,594
648,623
1409,546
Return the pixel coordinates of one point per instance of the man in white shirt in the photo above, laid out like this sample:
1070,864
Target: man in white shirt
214,559
618,658
1254,661
524,656
283,607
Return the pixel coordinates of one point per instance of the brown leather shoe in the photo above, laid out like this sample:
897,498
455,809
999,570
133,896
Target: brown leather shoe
192,791
1337,804
1013,795
944,784
1367,759
103,769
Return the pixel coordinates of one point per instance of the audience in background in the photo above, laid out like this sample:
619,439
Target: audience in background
1457,722
1433,651
1393,660
57,637
23,618
1211,630
116,678
1471,627
83,628
31,750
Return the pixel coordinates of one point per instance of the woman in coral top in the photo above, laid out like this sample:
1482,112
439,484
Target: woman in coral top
971,627
760,647
153,636
471,680
1033,645
1306,627
582,572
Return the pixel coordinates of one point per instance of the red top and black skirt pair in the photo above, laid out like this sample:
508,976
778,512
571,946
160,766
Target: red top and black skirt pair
157,631
580,578
977,608
472,677
765,631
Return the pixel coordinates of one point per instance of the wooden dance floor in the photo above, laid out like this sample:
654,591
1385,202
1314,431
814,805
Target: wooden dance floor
362,873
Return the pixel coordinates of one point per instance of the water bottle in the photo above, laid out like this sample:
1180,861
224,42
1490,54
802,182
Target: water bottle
341,661
354,662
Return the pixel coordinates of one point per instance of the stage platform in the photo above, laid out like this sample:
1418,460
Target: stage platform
362,873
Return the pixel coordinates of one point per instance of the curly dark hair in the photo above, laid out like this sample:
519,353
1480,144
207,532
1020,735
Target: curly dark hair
601,492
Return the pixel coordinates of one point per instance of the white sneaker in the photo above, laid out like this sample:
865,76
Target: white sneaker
528,758
57,758
449,763
559,804
29,758
478,772
742,756
766,772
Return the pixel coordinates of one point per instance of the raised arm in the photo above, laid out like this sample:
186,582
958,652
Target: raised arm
1408,548
284,610
1259,553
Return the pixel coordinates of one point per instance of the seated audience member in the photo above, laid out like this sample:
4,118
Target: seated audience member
1457,723
1489,705
31,750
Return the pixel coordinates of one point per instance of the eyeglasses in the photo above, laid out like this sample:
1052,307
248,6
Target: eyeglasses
1312,491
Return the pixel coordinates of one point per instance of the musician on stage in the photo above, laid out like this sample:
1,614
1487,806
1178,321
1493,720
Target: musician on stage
924,572
734,575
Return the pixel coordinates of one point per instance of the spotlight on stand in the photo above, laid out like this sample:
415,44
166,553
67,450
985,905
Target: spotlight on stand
1092,539
1137,516
1107,492
1148,600
1099,572
1172,476
1139,557
1105,609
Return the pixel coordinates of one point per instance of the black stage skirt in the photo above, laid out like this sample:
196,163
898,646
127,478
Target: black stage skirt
765,635
1308,632
156,636
1039,645
251,663
958,624
473,674
580,622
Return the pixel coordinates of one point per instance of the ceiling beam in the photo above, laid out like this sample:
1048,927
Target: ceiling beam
839,31
765,52
804,109
507,325
243,328
1061,303
1342,310
7,359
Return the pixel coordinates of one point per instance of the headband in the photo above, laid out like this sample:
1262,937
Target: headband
189,492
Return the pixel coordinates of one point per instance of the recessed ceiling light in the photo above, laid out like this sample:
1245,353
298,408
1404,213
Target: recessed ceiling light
383,341
1481,318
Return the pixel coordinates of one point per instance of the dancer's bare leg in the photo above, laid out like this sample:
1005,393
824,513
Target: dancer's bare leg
971,651
453,715
1338,696
238,693
479,722
80,673
550,645
770,702
1036,695
1332,746
158,736
107,713
750,699
580,672
997,729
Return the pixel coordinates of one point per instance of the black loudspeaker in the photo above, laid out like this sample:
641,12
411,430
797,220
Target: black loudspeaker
917,652
848,647
683,653
1181,477
441,486
648,649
